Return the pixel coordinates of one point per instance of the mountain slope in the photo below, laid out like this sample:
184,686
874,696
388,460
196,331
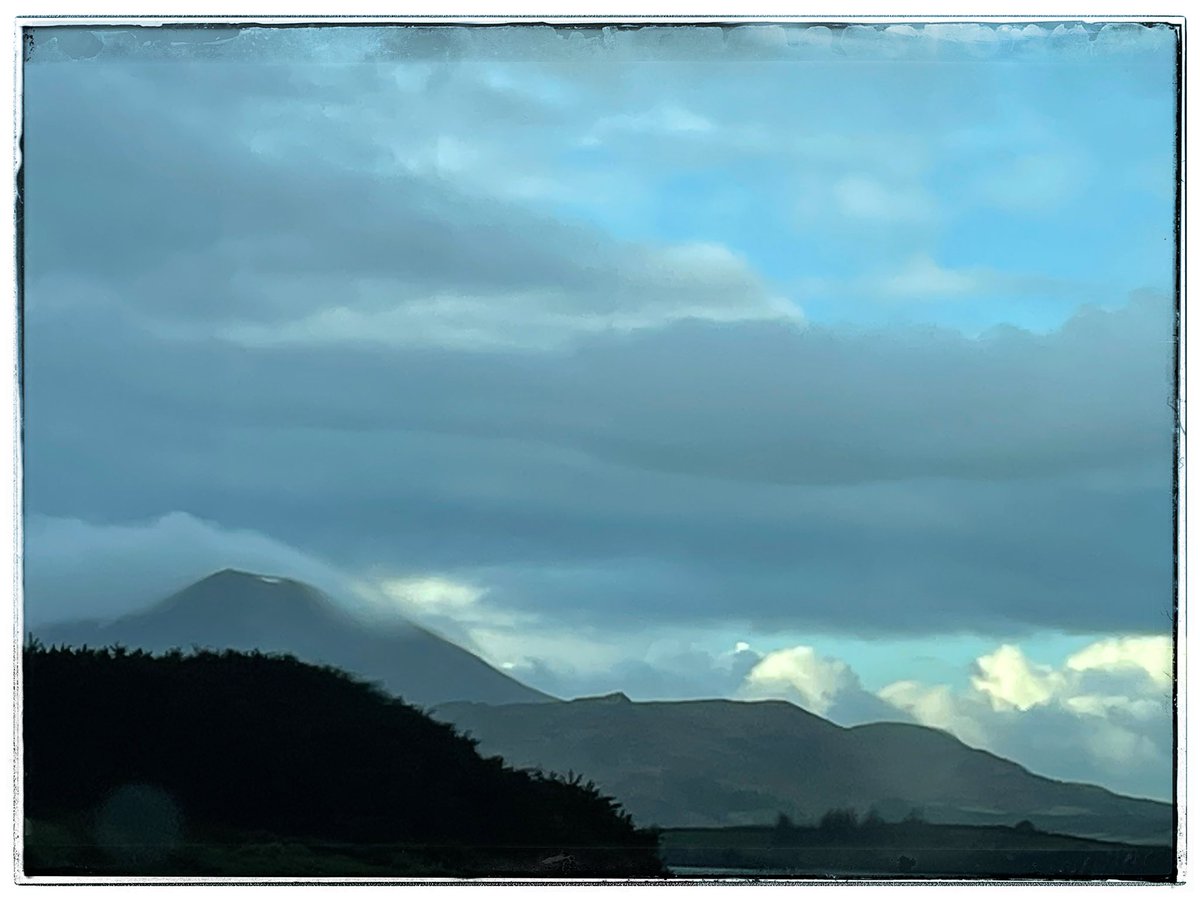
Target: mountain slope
243,611
724,762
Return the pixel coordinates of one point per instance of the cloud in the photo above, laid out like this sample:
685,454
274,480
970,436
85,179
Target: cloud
938,707
1153,654
662,121
1010,680
592,403
344,247
883,481
80,570
862,198
1103,715
458,609
645,664
1108,722
820,684
433,593
814,679
923,279
698,281
550,657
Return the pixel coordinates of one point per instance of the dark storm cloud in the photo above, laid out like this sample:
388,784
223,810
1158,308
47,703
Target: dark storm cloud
176,187
134,181
762,403
715,460
577,497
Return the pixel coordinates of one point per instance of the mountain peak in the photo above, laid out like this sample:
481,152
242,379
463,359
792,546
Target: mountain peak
237,593
236,575
243,610
616,697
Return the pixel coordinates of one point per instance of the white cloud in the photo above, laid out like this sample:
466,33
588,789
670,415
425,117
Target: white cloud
937,707
1103,715
1153,654
457,607
923,278
432,593
824,685
815,680
1010,680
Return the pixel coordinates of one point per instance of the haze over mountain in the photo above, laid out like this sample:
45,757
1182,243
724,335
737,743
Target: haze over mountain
723,762
245,611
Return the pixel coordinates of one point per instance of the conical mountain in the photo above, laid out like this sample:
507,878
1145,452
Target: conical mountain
248,611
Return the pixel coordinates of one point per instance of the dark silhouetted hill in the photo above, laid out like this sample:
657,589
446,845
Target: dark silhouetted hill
244,611
724,762
234,763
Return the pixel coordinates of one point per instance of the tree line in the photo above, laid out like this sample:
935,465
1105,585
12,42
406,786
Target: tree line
254,743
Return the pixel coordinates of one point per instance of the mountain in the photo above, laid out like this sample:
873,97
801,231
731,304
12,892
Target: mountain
723,762
244,611
674,764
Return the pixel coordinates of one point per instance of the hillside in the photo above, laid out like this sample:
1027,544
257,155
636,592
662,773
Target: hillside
244,611
233,763
724,762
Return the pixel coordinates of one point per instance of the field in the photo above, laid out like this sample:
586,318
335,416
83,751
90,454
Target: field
908,850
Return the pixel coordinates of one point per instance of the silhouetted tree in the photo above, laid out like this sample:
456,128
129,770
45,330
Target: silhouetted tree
839,822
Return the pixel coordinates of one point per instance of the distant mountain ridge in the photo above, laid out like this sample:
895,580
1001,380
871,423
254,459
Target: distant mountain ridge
674,764
245,611
724,762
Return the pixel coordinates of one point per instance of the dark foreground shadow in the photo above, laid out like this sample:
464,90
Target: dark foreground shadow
244,764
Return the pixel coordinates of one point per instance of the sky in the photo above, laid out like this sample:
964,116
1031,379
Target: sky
833,365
